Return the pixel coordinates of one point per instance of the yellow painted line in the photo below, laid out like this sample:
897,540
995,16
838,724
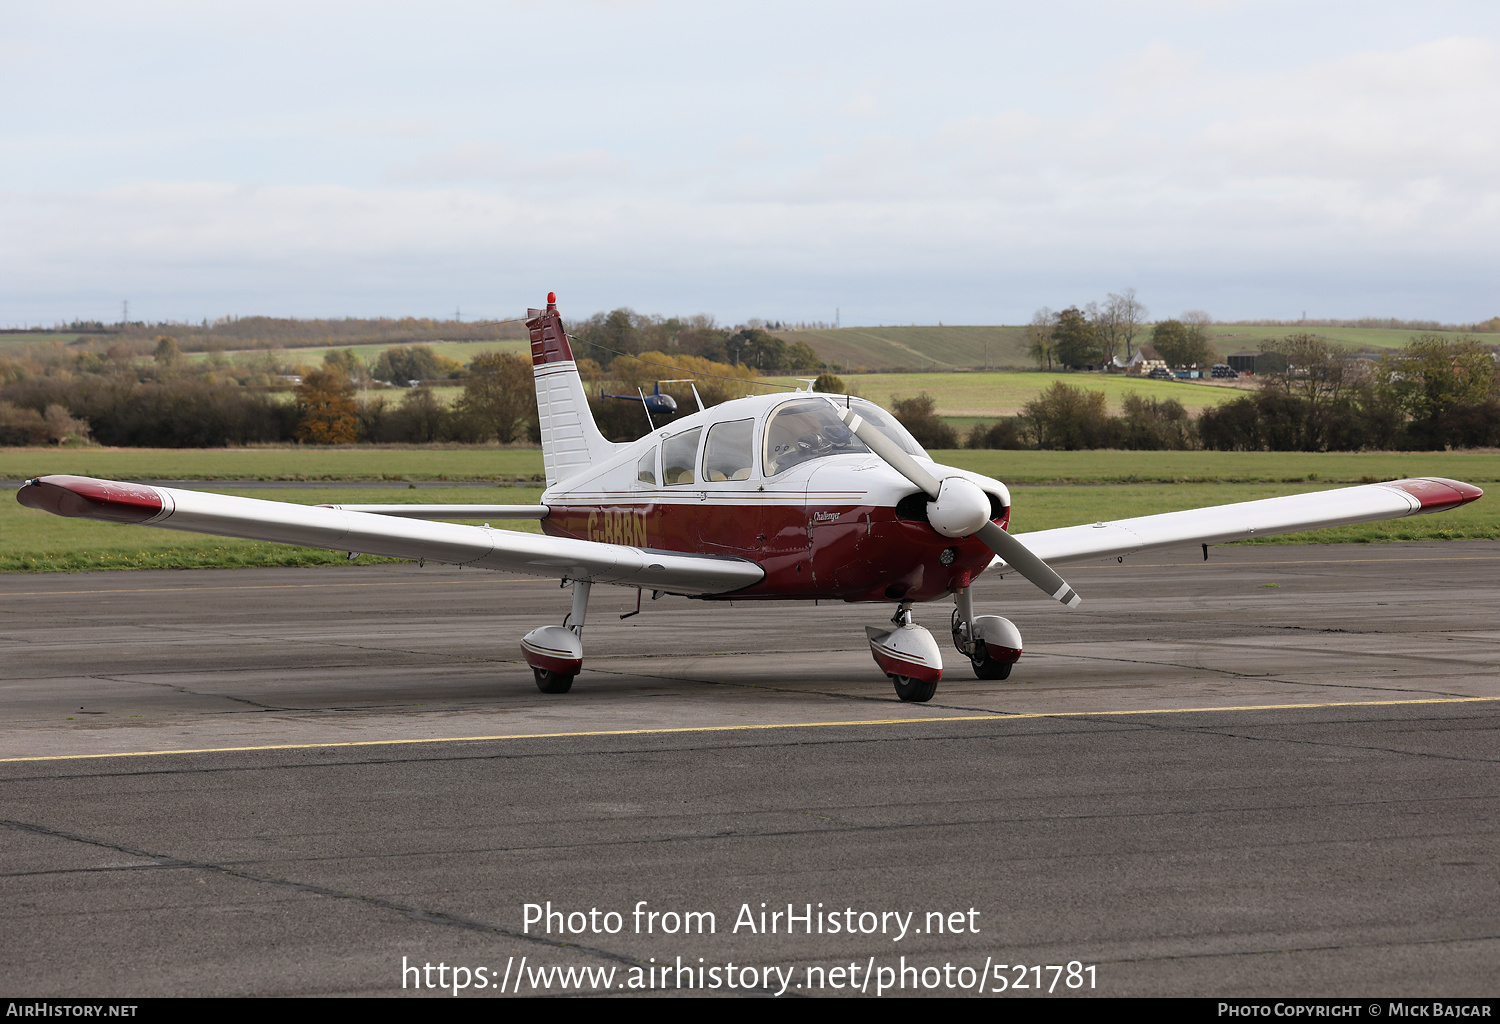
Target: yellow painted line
271,586
998,716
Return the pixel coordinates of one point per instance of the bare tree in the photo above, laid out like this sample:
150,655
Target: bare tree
1315,369
1039,337
1102,319
1128,316
1197,322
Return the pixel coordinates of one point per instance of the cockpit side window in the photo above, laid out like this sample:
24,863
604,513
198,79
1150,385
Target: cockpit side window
645,470
678,455
729,453
806,429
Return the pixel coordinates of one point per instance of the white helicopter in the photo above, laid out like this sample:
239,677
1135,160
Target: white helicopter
793,496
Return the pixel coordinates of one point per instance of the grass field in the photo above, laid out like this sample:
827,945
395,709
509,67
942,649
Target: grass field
340,463
1322,468
462,351
977,395
507,465
937,348
1055,489
33,541
942,348
10,342
878,348
1043,508
1233,338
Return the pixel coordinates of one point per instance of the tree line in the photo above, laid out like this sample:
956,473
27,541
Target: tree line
237,333
112,395
1434,393
604,337
1088,336
1099,334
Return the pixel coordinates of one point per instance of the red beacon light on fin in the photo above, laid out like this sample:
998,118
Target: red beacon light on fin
551,298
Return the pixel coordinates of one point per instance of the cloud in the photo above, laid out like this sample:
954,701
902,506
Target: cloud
1159,66
494,162
384,128
1166,163
864,105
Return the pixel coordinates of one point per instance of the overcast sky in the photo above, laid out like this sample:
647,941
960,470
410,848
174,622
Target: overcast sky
898,162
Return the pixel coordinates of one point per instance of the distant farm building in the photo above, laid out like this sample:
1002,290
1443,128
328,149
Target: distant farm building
1144,361
1257,362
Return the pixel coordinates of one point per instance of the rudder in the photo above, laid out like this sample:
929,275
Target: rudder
570,439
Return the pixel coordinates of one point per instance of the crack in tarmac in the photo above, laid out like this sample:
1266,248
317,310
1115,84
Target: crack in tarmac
1332,947
437,917
235,866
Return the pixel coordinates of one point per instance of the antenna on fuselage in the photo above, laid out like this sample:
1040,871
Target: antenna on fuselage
647,407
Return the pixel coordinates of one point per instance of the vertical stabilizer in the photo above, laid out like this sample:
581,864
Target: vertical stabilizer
570,439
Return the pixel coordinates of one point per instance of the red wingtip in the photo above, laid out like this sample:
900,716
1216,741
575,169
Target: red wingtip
551,298
1438,494
81,497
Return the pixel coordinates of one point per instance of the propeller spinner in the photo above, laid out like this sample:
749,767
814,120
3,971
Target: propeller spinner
958,508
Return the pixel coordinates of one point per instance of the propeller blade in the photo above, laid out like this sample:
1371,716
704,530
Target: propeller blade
897,457
1017,555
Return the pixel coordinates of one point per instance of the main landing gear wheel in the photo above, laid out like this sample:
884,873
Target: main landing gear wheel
552,682
913,691
986,667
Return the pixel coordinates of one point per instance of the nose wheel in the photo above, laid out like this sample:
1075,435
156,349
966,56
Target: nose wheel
913,691
549,681
986,667
908,656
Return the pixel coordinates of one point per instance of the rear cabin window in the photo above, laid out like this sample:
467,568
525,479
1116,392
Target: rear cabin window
730,452
678,455
645,470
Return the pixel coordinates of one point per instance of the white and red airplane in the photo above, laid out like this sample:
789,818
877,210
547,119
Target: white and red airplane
775,497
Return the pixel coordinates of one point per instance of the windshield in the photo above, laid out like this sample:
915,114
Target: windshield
810,428
889,426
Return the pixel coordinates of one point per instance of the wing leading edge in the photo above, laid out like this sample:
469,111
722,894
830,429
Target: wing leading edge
387,535
450,511
1220,524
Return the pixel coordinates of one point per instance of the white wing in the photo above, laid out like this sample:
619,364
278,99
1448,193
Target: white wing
1222,523
392,536
450,511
